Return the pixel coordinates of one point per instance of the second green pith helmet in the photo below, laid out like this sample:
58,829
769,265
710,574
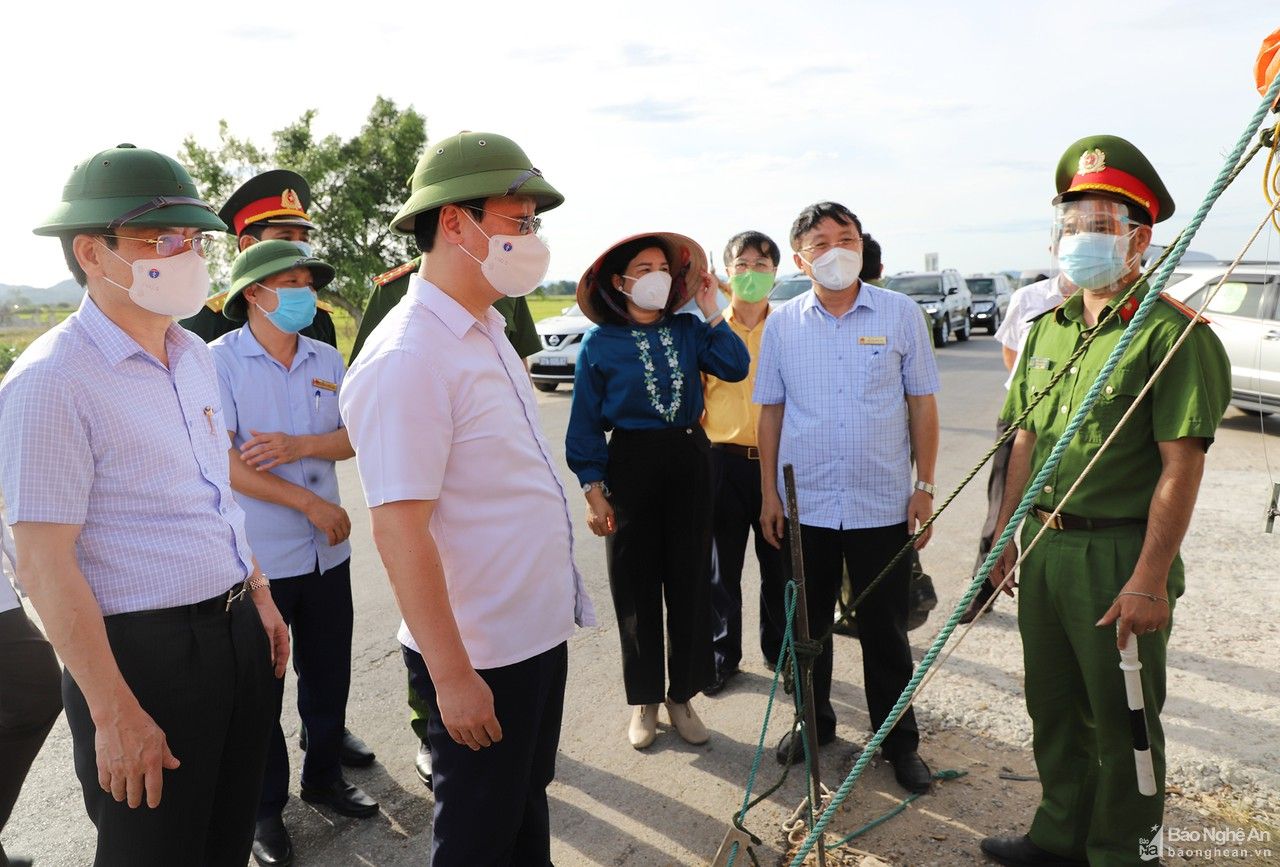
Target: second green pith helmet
472,165
129,186
263,259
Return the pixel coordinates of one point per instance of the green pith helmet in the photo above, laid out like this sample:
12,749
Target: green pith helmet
1109,166
128,185
472,165
263,259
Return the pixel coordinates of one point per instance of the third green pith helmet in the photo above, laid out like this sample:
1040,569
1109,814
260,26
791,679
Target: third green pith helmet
1108,165
263,259
472,165
129,186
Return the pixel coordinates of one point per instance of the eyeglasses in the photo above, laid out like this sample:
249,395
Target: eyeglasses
738,266
822,246
167,245
526,225
1104,224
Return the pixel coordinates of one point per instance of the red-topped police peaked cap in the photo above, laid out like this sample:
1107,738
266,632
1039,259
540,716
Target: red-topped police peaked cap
278,197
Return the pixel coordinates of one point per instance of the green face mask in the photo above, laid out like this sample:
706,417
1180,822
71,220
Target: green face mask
751,286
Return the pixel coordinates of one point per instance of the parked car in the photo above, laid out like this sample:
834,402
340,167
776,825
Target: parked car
991,294
789,287
561,338
943,295
1245,314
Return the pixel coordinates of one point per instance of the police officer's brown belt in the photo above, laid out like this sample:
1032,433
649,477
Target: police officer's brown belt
749,452
1062,521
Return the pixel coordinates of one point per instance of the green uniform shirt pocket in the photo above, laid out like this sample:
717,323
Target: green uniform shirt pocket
1118,394
1036,383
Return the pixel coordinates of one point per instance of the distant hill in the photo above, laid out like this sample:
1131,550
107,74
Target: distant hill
68,292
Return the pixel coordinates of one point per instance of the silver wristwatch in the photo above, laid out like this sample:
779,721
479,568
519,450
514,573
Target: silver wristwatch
586,489
931,490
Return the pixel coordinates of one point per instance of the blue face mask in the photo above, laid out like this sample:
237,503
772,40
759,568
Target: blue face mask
295,308
306,247
1093,260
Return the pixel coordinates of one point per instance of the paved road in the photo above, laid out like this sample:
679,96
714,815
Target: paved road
671,804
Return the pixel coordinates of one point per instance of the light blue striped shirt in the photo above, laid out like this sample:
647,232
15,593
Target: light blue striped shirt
844,383
96,432
258,394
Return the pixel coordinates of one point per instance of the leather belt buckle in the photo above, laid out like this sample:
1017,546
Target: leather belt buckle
1050,520
753,453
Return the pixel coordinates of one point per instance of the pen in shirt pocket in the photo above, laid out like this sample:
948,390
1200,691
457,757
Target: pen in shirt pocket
208,414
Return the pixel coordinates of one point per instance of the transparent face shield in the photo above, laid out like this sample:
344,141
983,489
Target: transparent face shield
1091,216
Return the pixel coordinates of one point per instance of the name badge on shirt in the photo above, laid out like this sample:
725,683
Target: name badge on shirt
872,341
1037,363
325,384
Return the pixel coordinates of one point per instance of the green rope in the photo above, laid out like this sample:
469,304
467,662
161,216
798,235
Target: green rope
902,805
1139,317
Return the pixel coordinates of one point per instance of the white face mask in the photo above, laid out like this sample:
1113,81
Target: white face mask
837,268
516,264
175,286
651,292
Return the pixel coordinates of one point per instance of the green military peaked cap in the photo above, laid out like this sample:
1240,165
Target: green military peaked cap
1110,166
472,165
278,198
128,185
263,259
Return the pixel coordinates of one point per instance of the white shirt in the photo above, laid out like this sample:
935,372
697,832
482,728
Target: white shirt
1026,304
439,407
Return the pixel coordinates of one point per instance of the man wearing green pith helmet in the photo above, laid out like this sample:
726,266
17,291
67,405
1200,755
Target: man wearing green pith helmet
454,466
130,541
1107,571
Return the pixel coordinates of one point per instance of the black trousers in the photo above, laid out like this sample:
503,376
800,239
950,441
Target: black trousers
491,804
30,701
882,620
204,675
660,484
736,516
317,608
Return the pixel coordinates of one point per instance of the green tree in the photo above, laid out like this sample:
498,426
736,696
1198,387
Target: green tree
357,185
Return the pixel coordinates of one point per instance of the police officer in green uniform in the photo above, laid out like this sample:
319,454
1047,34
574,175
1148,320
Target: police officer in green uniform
1108,568
267,207
388,289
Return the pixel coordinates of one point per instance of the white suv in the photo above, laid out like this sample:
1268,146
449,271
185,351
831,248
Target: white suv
561,338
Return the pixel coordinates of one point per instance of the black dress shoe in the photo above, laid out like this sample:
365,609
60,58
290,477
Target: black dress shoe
1021,852
271,844
343,797
911,772
721,681
423,764
789,755
353,753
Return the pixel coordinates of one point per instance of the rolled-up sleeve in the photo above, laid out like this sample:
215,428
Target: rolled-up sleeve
47,464
770,388
586,451
398,413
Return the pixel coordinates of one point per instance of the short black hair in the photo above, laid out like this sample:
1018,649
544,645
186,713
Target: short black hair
815,214
69,253
872,260
253,230
426,223
610,303
751,240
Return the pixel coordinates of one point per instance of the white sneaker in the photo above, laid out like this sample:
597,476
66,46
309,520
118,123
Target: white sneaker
687,723
644,725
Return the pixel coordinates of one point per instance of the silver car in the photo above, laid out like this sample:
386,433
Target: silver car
561,338
1245,317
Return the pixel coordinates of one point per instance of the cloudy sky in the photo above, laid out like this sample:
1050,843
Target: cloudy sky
938,123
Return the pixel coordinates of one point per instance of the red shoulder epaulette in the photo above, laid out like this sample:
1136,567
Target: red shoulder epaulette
397,272
1186,311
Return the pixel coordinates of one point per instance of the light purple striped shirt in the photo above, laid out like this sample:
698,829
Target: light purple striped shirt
844,383
94,431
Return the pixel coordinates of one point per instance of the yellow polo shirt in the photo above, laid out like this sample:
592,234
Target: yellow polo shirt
730,416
